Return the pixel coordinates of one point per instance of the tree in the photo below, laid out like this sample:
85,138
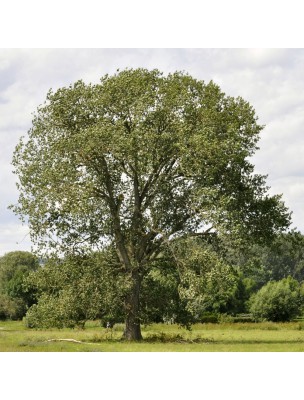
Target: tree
278,301
15,298
140,160
285,257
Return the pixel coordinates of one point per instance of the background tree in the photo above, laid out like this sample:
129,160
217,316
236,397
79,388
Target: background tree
142,159
261,263
15,298
285,257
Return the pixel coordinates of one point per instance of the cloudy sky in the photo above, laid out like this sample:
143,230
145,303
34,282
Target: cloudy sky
271,80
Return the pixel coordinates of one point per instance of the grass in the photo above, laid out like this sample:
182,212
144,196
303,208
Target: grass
225,337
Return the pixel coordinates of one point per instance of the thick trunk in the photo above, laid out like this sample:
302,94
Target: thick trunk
132,328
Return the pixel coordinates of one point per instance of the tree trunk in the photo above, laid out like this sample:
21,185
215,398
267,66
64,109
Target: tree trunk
132,328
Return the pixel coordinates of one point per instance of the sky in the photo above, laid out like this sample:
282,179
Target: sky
271,80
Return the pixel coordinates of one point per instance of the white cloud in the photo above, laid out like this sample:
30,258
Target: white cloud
14,237
292,188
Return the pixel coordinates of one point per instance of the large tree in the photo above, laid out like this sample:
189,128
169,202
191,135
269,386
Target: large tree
142,159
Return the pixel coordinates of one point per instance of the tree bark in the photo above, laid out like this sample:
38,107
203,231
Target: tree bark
132,329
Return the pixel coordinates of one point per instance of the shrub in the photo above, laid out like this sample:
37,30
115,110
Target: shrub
277,301
49,312
11,308
209,317
61,311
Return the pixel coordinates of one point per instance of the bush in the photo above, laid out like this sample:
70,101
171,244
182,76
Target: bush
48,313
277,301
209,317
11,308
62,311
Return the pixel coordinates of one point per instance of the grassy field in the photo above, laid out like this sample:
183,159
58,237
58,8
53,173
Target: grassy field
228,337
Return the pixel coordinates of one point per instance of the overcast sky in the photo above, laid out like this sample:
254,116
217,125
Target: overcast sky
270,79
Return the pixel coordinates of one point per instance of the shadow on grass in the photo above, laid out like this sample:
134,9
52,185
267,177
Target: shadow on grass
162,337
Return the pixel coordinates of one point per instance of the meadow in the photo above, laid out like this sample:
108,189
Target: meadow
225,337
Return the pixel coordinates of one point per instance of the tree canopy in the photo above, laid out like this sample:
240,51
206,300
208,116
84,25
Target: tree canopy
141,160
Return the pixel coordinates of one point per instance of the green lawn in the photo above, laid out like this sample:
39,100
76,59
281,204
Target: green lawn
229,337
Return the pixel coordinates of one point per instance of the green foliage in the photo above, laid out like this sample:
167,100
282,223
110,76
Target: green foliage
11,308
160,300
277,301
159,294
209,318
285,257
238,303
261,263
74,290
15,297
206,282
